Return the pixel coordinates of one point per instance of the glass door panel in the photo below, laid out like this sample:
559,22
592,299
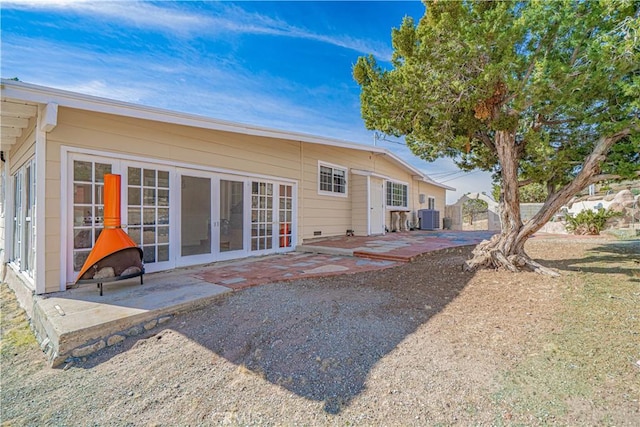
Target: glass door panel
261,216
231,216
88,207
148,212
285,215
195,215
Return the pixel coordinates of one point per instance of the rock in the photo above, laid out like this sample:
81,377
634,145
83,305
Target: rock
164,319
88,349
150,325
616,207
623,196
136,330
131,270
114,339
105,273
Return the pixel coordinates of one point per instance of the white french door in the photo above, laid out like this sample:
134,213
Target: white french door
179,216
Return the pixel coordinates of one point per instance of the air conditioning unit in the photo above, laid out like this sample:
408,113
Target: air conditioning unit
429,219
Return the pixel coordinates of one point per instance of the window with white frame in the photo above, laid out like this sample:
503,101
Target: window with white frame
431,203
332,179
24,208
397,194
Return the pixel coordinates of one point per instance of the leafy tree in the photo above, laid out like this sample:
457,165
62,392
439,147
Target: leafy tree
535,92
530,193
471,208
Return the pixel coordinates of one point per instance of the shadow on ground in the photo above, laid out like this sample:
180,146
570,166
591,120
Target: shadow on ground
601,257
320,338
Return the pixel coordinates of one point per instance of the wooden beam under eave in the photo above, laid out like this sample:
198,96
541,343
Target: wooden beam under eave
16,122
6,142
15,109
10,131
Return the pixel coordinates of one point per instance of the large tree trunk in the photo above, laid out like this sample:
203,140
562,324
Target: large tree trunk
506,250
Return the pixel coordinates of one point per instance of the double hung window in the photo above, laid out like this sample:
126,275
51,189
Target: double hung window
397,195
332,179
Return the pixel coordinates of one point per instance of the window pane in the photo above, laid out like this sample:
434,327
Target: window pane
163,179
134,196
149,178
82,171
149,196
149,254
163,216
101,170
163,253
79,258
82,193
81,215
82,239
325,178
163,234
98,218
134,176
134,216
163,197
149,216
134,233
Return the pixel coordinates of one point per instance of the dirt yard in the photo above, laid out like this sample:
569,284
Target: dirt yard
420,344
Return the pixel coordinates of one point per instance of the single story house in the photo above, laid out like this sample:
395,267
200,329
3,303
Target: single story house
194,189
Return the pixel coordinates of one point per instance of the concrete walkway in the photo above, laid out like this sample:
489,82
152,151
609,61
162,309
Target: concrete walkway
79,321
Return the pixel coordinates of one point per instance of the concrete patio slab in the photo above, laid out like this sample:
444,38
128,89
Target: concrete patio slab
79,321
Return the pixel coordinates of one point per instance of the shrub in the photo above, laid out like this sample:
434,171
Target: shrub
589,221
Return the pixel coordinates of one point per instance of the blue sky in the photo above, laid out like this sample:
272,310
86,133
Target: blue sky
285,65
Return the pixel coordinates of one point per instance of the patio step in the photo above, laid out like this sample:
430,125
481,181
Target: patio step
384,256
327,250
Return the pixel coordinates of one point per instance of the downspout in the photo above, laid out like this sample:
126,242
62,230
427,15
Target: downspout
47,121
300,209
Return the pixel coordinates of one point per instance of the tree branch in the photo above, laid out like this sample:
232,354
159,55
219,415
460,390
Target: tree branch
606,177
589,170
486,140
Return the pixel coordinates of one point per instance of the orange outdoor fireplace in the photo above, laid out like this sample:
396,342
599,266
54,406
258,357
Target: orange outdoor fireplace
114,256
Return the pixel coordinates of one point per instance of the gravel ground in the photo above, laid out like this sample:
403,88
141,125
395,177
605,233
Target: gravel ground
420,344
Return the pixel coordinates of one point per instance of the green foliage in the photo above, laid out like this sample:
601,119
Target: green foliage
471,208
559,76
589,221
531,193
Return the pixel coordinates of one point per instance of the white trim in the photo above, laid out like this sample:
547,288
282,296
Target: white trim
370,173
392,207
64,217
8,212
369,207
39,270
346,180
176,170
44,95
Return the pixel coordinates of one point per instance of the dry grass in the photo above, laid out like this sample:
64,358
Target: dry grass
590,362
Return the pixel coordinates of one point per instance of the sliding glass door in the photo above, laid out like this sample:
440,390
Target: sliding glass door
231,220
195,217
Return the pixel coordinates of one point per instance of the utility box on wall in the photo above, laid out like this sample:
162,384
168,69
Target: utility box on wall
429,219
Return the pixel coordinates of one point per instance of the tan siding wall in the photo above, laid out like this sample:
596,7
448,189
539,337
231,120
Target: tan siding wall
328,214
359,205
429,190
176,144
52,218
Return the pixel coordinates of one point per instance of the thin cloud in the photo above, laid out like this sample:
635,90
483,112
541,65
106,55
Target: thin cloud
229,19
